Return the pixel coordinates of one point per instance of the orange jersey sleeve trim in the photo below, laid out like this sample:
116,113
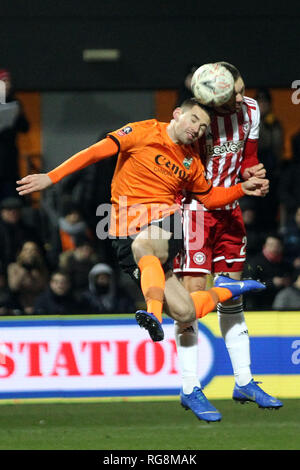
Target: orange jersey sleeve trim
103,149
219,196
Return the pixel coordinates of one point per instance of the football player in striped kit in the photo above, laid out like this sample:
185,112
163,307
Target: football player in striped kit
215,243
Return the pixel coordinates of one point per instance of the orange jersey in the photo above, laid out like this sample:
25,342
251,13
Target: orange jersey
150,171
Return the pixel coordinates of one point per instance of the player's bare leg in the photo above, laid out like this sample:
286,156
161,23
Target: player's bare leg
150,250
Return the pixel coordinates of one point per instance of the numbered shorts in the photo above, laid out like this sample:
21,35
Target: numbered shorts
213,242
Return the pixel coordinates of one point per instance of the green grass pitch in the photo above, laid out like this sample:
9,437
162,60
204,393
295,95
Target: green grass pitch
150,425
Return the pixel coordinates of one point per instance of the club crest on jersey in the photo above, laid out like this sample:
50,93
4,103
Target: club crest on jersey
124,131
187,162
199,258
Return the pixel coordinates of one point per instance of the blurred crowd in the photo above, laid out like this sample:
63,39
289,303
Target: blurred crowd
56,270
273,223
52,262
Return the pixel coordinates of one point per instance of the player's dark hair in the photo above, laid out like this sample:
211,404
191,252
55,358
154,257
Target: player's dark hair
232,69
190,102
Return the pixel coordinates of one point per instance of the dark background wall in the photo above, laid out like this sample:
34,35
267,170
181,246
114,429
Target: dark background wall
42,42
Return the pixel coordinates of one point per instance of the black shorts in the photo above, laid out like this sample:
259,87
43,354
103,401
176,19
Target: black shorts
122,246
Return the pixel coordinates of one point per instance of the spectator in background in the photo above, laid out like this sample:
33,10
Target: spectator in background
289,297
27,276
57,298
270,153
271,268
13,230
12,121
254,231
77,263
289,187
8,304
103,295
271,138
72,226
291,240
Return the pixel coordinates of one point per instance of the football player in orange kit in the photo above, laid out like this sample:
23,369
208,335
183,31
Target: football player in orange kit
156,160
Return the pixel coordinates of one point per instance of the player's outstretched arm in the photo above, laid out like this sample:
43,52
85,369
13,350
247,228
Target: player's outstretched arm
105,148
32,183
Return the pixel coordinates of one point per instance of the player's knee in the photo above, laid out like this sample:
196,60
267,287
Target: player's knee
141,247
194,283
183,313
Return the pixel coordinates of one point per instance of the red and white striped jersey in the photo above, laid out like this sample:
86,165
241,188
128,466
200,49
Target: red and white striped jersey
222,146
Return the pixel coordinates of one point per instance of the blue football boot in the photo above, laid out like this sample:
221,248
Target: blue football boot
238,288
200,406
253,393
151,323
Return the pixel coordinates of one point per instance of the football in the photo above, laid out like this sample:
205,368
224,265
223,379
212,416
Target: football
212,84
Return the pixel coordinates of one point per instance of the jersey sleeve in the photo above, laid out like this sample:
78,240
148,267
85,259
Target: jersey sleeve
103,149
199,184
126,137
249,155
212,197
255,121
218,196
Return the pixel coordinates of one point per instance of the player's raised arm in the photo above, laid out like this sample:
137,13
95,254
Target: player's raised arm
103,149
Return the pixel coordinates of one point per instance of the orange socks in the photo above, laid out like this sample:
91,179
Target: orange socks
152,284
206,301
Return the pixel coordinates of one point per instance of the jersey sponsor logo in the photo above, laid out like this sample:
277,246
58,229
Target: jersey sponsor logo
226,147
171,167
187,162
199,258
126,130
